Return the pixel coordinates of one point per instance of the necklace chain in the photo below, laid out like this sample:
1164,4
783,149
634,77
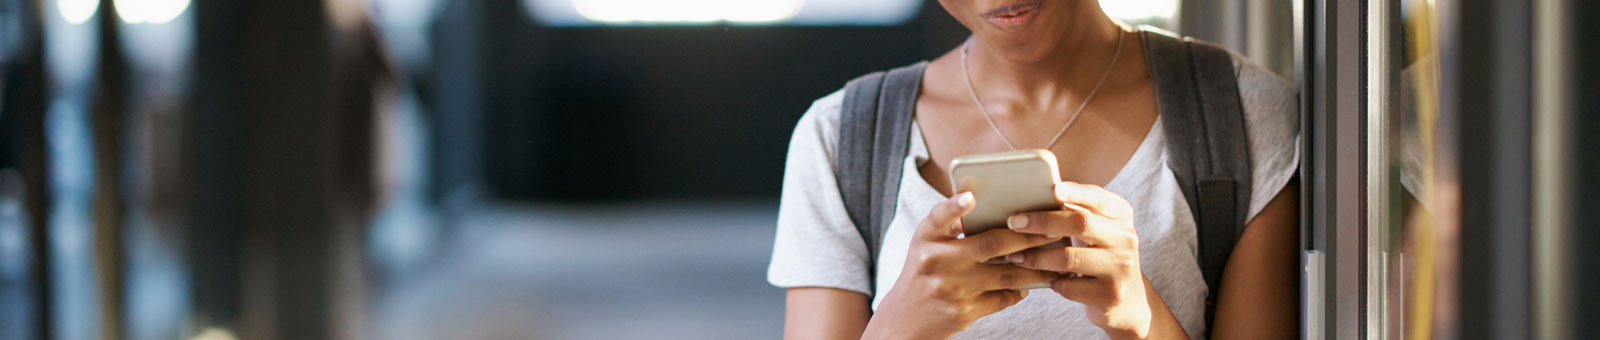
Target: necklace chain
986,117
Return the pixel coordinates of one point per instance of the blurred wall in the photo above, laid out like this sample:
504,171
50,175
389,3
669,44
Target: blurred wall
643,113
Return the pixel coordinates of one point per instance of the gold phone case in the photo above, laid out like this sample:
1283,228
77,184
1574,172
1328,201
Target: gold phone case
1004,184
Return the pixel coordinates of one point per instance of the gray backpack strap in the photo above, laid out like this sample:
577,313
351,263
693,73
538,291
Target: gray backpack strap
874,136
1198,93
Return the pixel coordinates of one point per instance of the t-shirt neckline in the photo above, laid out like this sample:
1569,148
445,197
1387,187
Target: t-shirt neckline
919,156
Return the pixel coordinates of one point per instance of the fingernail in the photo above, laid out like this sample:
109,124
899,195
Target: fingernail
1052,235
1024,293
964,199
1018,221
1015,258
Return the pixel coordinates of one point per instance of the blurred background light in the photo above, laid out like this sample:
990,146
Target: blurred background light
214,333
405,12
157,38
1139,9
687,11
77,11
71,48
716,12
18,299
14,253
406,26
779,12
149,11
74,295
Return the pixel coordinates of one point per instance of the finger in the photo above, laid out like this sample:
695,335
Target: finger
998,242
1086,290
1005,276
1074,222
943,221
1086,261
1094,198
993,301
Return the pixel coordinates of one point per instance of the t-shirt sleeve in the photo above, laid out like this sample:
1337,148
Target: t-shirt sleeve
1272,120
816,244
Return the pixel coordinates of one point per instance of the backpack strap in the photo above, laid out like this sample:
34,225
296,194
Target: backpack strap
1198,93
874,137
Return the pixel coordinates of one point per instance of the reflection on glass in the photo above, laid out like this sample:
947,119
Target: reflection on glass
1420,296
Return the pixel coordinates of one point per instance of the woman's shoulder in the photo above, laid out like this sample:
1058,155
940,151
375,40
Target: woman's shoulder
1272,122
821,120
816,132
1263,92
826,108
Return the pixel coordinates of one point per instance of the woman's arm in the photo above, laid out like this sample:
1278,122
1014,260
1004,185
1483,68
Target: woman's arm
1163,325
1260,296
824,313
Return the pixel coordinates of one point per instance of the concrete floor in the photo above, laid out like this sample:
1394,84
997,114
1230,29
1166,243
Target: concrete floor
636,271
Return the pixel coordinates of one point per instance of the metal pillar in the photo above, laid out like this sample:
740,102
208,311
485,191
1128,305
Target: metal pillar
1485,57
1566,117
1332,168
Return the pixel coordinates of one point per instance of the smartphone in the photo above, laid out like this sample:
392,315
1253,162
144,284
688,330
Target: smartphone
1005,184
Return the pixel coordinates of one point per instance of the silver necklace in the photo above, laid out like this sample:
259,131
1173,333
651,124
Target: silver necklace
986,117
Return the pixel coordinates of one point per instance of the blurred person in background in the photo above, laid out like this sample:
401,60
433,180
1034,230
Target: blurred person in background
1044,69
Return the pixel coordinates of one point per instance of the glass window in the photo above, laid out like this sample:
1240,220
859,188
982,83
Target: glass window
1410,283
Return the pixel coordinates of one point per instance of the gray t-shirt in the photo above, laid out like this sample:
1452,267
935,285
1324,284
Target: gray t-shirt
818,246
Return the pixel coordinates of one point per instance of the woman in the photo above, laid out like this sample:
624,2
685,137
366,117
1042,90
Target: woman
1060,75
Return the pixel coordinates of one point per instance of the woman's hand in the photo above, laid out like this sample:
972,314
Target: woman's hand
1104,275
945,284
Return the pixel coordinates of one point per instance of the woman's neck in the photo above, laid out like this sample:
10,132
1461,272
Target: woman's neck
1061,78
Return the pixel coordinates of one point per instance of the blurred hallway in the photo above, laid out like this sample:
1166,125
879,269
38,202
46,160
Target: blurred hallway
524,169
635,271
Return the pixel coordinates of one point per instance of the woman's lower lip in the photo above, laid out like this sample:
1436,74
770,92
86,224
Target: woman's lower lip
1013,21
